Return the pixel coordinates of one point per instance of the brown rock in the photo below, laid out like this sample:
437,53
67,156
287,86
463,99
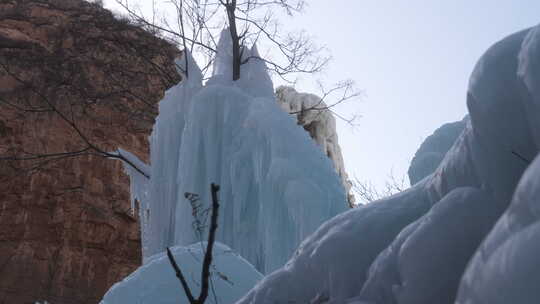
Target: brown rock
66,229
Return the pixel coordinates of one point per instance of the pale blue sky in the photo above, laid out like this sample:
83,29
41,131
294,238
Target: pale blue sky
412,58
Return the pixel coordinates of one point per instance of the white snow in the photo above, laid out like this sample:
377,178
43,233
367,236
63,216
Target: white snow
413,247
311,112
156,283
277,186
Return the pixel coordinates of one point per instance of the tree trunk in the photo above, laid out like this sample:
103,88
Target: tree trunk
231,7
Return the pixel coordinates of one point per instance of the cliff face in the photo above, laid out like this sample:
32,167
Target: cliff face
68,67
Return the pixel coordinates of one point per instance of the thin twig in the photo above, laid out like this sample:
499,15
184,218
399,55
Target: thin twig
525,160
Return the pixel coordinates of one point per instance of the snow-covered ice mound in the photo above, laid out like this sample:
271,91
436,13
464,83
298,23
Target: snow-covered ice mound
506,268
413,247
156,283
432,151
277,186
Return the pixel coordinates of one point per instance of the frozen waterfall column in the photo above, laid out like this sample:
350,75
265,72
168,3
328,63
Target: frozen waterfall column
158,196
276,185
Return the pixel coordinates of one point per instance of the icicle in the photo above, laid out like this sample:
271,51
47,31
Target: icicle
139,174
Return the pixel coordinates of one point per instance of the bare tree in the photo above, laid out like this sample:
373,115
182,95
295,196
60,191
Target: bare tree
195,25
207,261
340,93
67,95
366,192
67,115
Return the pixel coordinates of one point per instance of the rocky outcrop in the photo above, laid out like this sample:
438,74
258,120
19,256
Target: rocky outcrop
70,68
312,114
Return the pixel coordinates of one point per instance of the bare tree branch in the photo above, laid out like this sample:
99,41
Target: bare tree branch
181,277
208,254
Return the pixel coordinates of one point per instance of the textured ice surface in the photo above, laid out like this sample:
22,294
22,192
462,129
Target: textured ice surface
425,262
339,254
506,268
156,283
277,186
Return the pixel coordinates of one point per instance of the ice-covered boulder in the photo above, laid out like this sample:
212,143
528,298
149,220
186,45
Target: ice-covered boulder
445,215
432,151
332,264
425,262
277,186
155,282
311,112
506,268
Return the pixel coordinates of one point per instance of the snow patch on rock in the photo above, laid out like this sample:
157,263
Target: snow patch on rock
311,112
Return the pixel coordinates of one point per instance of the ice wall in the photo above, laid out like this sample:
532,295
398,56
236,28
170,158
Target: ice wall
415,246
311,112
277,186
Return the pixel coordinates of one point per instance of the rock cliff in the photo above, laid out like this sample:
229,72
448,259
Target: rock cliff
68,67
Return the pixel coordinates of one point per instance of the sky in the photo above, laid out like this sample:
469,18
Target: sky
412,60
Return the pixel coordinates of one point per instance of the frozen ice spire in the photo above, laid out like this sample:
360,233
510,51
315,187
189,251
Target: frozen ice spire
188,68
254,77
224,57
